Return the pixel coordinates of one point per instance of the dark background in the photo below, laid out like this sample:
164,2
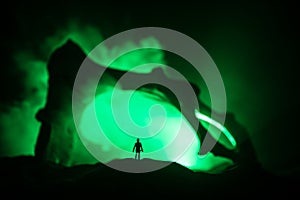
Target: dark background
254,45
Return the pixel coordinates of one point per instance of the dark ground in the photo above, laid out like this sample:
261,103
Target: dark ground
271,30
25,176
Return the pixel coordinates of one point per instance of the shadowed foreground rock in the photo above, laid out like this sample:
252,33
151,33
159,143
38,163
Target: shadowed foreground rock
25,176
58,139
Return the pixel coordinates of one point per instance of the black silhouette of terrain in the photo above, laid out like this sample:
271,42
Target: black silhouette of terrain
25,175
63,67
260,36
40,177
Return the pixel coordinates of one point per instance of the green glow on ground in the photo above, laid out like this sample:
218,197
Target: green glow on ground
156,129
67,149
164,132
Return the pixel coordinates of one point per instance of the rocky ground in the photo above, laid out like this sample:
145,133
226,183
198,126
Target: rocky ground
23,175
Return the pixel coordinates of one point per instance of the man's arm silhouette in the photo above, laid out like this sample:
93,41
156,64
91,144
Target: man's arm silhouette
142,148
133,147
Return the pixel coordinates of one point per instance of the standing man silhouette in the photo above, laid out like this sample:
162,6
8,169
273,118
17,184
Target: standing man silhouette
138,148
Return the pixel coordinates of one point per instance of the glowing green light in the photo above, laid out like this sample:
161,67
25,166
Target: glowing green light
206,122
165,133
156,126
159,141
